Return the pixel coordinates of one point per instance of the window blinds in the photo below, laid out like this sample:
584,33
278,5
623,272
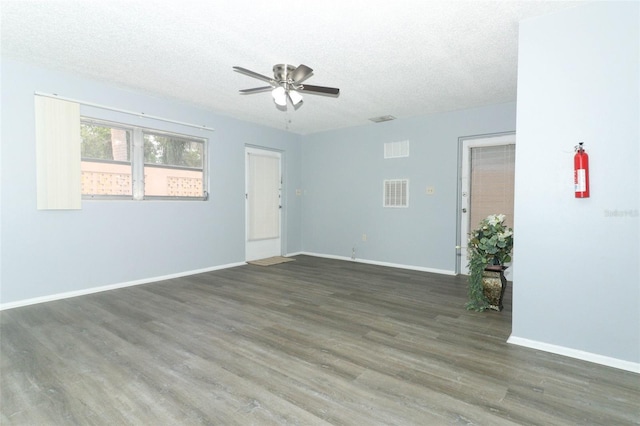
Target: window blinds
492,182
57,154
264,197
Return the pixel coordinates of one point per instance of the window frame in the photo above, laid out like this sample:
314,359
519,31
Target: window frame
138,163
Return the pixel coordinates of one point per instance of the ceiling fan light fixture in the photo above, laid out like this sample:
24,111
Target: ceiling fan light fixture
279,96
295,97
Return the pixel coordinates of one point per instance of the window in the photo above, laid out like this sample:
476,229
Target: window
106,160
173,166
396,193
132,162
492,182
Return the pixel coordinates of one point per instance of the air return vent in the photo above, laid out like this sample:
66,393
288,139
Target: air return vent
396,149
396,193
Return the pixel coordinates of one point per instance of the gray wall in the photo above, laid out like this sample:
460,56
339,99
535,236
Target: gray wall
577,284
46,253
343,174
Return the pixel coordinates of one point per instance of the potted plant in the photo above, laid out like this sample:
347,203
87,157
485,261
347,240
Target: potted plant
489,248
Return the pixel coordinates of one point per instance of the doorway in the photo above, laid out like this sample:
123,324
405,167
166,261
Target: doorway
263,206
487,173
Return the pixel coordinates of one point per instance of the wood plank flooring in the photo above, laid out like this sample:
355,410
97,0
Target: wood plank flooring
311,342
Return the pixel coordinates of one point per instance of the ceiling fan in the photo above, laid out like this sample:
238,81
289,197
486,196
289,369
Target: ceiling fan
287,84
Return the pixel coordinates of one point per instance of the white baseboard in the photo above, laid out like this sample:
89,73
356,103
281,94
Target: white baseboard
633,367
92,290
374,262
66,295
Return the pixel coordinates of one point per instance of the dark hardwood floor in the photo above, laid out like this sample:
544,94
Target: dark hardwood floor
310,342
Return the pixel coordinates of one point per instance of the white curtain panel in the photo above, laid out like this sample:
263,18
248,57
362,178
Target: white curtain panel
57,154
264,197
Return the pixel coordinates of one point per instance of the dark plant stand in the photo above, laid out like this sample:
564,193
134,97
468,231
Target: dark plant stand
494,284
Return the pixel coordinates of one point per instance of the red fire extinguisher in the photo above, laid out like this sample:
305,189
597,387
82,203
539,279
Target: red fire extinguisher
581,172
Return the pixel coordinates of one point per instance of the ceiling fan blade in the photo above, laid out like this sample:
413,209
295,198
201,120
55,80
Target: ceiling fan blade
253,74
319,89
301,73
256,90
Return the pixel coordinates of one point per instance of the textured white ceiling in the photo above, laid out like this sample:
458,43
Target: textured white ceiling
403,58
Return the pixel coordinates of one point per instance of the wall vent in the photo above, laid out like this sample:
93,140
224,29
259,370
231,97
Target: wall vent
396,193
396,149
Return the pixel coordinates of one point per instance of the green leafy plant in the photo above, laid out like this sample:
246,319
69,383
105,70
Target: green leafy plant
490,243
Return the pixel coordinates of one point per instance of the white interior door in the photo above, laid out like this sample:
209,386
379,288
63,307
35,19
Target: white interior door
490,177
263,204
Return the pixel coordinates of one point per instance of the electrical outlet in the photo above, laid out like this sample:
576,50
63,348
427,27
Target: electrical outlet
298,192
431,190
364,237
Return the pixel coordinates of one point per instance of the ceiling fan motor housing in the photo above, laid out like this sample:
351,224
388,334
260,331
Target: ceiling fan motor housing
281,72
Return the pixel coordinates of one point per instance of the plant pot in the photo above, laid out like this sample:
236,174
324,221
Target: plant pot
494,284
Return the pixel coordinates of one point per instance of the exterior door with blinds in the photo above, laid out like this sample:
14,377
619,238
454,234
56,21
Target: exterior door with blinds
263,204
487,185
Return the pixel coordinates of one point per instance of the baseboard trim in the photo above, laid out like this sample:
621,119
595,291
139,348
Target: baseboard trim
374,262
70,294
633,367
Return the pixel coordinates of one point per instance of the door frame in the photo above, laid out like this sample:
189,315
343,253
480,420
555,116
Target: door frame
465,143
282,211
